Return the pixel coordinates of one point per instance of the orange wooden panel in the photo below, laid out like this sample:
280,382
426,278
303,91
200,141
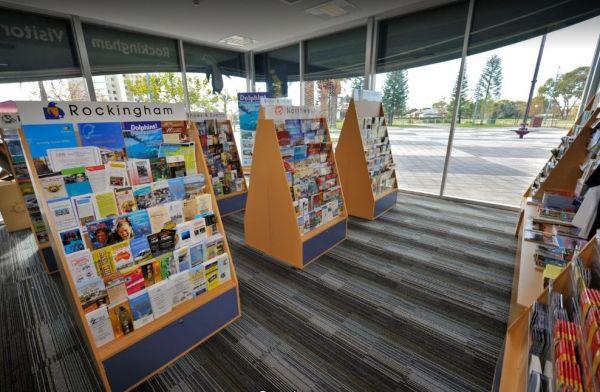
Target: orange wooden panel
352,168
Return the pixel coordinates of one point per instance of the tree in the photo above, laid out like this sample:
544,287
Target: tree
509,109
490,84
565,90
463,100
329,89
442,108
357,83
66,90
395,94
168,87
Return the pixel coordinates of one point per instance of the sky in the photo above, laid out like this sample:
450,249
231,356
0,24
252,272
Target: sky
565,50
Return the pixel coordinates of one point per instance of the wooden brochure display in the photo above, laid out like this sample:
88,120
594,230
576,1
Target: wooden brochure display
9,125
352,165
270,220
125,362
234,201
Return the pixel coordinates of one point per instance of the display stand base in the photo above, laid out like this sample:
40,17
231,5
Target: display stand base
229,204
48,259
385,203
160,349
319,244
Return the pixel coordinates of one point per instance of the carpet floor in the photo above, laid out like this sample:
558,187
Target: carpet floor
415,301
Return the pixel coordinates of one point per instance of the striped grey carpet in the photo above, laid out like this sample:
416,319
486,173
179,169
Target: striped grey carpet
417,300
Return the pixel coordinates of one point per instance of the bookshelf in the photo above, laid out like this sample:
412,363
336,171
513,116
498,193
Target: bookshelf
233,193
515,362
9,125
270,220
124,362
355,176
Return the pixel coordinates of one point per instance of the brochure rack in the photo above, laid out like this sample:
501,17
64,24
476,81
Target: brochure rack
9,125
352,165
562,177
126,362
270,221
235,200
563,168
515,363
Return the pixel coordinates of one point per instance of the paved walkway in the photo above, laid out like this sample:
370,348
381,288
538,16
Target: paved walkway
490,164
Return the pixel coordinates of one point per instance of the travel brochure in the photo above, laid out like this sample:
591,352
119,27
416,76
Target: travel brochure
310,171
378,153
134,218
222,157
249,106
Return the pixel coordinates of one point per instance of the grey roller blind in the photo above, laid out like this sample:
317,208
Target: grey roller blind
35,47
436,35
338,55
114,51
203,59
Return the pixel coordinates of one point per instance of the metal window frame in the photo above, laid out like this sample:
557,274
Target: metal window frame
461,72
301,62
84,61
182,68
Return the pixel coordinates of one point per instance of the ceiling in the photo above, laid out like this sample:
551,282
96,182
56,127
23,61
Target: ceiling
270,22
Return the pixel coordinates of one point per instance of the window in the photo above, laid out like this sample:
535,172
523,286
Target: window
130,66
334,64
278,72
489,161
24,73
418,57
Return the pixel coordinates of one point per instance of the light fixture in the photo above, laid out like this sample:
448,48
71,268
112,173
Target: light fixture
238,40
331,9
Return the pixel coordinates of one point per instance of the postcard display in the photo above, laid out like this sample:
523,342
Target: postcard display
547,233
295,210
555,343
223,160
135,228
364,159
9,128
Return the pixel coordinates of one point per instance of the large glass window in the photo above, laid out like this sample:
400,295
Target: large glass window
334,64
416,103
130,66
278,72
489,161
38,58
418,57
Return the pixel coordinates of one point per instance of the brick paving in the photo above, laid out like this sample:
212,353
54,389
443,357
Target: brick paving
490,164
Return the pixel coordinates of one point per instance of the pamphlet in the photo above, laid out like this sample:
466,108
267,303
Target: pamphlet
53,186
142,139
81,266
98,177
62,213
76,181
100,326
107,136
67,158
85,209
141,308
106,204
161,298
181,287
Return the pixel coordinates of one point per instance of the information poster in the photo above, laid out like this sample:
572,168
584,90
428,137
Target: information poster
249,105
